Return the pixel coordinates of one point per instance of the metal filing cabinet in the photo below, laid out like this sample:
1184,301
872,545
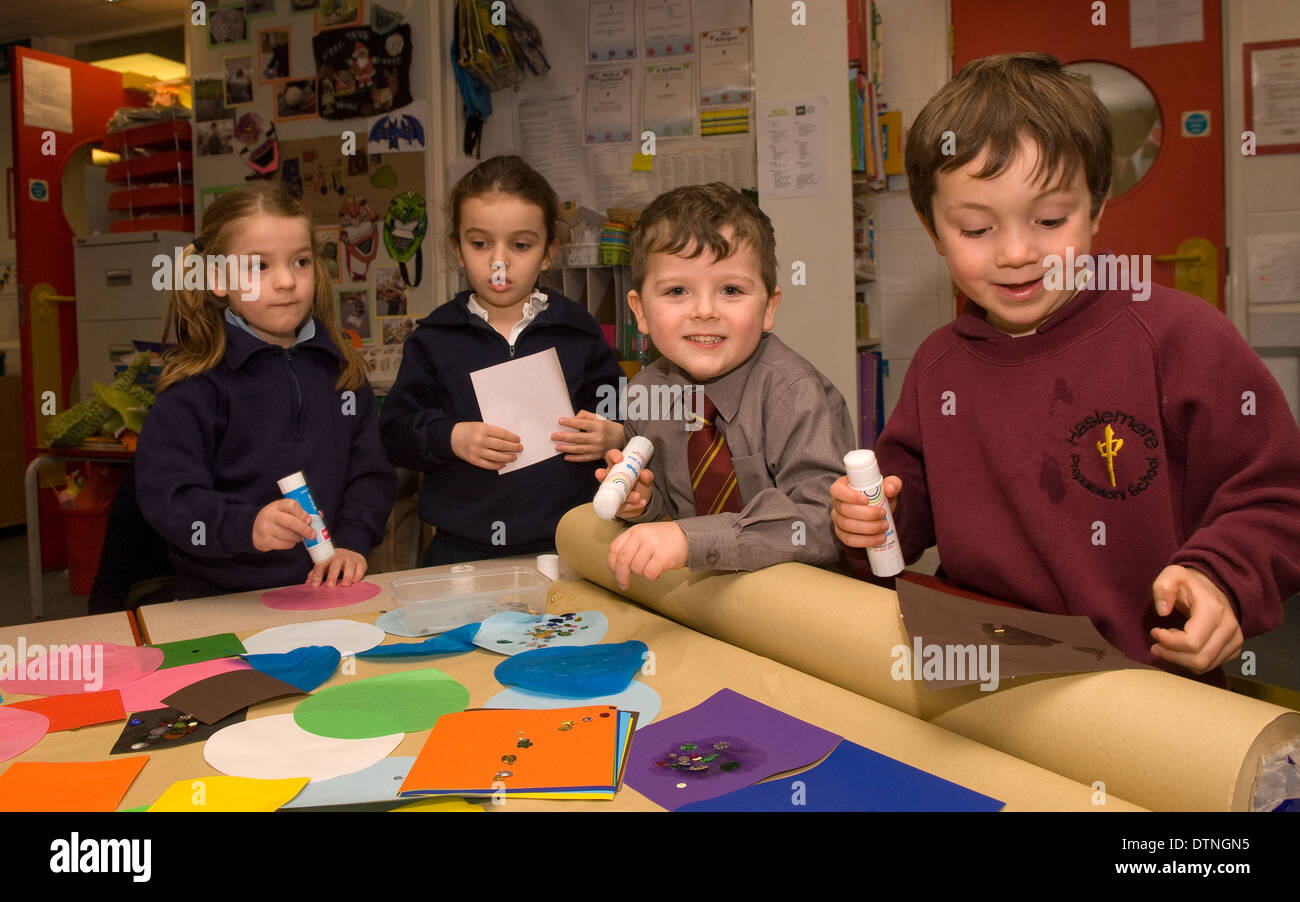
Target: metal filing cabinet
116,300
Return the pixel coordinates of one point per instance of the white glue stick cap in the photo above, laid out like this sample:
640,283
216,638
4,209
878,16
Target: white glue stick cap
862,468
292,482
607,502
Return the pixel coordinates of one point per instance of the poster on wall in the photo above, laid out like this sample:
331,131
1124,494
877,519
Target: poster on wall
362,73
210,98
396,132
227,26
273,48
239,80
215,137
337,13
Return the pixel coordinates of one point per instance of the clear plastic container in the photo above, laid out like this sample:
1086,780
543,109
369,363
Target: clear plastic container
470,593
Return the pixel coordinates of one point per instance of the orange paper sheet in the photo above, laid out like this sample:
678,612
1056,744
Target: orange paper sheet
78,709
68,785
562,748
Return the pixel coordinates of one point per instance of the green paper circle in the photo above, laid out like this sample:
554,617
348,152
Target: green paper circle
405,702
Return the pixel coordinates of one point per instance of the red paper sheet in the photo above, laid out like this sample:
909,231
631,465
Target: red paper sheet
81,709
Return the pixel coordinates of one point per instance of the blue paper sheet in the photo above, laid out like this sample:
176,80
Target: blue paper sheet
513,632
580,672
379,782
303,668
636,697
453,642
852,778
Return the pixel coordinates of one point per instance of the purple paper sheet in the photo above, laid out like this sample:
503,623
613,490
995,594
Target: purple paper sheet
748,742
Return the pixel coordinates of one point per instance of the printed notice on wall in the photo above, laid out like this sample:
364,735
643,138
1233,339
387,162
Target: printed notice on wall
550,138
1155,22
1275,95
47,95
792,148
1274,268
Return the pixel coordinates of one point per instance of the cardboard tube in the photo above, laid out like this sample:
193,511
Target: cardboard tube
1158,740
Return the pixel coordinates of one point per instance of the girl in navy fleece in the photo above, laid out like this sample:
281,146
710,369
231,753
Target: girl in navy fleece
502,217
261,384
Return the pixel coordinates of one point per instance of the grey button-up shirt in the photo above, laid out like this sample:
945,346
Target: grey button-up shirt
787,428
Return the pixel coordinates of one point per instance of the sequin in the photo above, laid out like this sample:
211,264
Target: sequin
524,743
586,720
681,785
722,745
689,746
729,765
604,714
508,759
502,774
566,726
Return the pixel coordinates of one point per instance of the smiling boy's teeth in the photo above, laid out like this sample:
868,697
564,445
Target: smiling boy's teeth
706,339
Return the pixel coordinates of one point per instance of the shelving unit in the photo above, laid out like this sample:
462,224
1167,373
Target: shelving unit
156,169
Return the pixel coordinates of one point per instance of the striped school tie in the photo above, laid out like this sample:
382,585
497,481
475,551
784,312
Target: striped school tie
713,478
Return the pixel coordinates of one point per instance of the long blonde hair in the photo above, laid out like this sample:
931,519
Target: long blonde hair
196,317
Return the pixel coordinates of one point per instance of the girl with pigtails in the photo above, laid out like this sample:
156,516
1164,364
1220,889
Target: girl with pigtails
261,384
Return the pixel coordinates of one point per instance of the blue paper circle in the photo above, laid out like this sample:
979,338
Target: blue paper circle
575,671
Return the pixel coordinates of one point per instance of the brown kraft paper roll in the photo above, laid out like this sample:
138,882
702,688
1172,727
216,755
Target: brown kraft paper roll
1158,740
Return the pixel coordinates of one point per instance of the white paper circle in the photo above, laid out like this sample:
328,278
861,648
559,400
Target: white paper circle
348,636
276,748
636,697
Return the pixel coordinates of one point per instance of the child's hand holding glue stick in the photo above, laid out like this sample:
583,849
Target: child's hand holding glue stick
626,485
861,517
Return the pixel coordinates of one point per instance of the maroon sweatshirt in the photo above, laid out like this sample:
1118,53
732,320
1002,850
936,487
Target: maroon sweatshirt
1006,447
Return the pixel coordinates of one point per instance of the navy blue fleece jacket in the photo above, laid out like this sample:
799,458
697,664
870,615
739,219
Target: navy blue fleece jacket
433,393
215,444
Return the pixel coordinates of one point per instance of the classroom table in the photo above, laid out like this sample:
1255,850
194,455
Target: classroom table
689,667
117,628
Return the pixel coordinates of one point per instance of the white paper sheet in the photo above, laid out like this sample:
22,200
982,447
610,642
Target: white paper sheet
276,748
609,106
668,99
1154,22
668,28
1274,268
611,30
792,149
348,636
724,66
1275,95
47,95
527,396
550,139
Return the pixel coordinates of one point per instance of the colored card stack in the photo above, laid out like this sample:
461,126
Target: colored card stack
563,753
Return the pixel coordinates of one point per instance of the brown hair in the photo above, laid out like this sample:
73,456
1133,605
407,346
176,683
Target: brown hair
989,104
689,220
505,175
196,318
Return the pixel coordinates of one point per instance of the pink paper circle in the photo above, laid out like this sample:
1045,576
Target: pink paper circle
318,598
114,666
20,730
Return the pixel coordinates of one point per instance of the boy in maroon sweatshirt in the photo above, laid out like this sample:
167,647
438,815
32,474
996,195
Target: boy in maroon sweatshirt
1078,444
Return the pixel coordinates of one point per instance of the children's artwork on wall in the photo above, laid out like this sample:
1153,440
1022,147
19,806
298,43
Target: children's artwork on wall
327,246
304,6
226,26
208,195
359,232
258,8
337,13
396,132
239,79
273,46
215,137
361,73
210,98
261,149
396,330
405,223
354,313
382,21
359,162
295,99
390,292
291,177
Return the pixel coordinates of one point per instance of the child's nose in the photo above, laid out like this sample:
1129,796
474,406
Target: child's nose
1017,248
705,306
285,277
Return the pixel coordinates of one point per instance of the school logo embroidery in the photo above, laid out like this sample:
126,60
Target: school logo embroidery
1125,474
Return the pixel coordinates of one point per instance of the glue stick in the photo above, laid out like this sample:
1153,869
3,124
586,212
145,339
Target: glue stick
622,477
294,487
886,559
